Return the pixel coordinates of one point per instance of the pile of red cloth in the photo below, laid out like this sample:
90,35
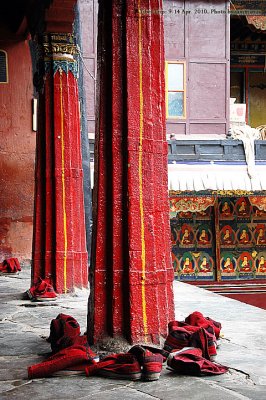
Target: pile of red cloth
70,349
10,266
188,348
191,345
189,361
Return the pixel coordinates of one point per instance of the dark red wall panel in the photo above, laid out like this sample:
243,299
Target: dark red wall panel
17,153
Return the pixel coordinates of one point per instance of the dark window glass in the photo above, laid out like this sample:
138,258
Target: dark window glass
3,66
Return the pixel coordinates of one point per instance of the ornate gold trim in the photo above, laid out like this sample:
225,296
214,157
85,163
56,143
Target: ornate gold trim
60,37
62,48
258,21
232,192
56,43
176,192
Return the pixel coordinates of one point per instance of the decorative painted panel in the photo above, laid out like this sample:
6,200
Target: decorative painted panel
218,238
192,236
242,238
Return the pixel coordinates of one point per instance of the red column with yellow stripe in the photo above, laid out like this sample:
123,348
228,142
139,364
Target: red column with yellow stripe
60,247
131,271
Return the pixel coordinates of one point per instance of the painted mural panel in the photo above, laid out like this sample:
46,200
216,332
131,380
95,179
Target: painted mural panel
192,235
218,238
242,227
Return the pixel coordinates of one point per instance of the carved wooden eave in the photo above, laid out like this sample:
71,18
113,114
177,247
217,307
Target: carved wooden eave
257,21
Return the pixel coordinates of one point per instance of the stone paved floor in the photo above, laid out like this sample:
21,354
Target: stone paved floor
24,327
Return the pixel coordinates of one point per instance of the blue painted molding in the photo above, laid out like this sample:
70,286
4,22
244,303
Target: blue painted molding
64,65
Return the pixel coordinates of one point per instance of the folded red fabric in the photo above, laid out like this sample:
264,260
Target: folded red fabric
73,356
190,362
201,340
121,365
64,332
10,265
198,319
183,335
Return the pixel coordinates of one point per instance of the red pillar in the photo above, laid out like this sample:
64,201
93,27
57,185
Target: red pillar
131,275
59,247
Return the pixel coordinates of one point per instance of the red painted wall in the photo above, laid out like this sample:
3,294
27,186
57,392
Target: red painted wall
17,153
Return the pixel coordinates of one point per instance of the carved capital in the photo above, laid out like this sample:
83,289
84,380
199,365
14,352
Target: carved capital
59,50
59,44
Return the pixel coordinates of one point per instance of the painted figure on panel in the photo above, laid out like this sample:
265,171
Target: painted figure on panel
227,235
205,263
186,235
226,209
187,264
244,235
245,262
228,264
242,207
260,234
261,264
203,236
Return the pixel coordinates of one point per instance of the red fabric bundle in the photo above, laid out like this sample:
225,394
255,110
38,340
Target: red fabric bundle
190,362
71,357
65,332
183,335
71,350
198,319
10,265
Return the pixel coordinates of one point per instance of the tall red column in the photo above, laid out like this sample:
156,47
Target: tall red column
59,247
131,275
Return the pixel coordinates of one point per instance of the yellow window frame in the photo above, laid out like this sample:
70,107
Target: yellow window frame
176,91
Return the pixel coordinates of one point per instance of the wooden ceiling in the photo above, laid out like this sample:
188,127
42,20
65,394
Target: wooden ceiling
21,17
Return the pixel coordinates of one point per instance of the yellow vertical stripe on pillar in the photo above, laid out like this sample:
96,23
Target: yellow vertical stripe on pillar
63,180
143,249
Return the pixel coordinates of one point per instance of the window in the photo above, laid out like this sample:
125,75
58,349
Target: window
175,90
3,67
237,85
